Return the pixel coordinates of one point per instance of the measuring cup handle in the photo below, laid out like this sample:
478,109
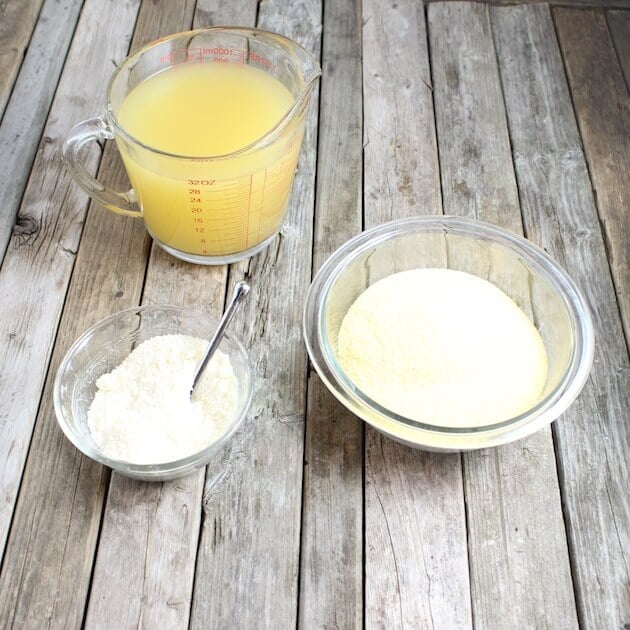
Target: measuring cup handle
74,157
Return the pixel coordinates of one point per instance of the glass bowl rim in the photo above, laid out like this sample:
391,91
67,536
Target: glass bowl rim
163,468
325,362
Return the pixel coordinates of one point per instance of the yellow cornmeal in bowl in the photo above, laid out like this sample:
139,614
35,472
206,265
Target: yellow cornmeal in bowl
443,347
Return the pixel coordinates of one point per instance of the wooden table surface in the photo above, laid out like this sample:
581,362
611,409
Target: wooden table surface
517,115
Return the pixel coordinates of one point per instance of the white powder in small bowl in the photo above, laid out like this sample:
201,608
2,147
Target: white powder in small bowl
142,412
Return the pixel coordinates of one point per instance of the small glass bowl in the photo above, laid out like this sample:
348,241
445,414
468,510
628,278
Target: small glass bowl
104,346
523,271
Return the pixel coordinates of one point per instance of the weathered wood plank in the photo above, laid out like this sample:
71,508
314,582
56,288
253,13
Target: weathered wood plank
37,268
143,576
511,492
596,4
112,257
619,26
26,112
475,158
560,215
248,560
602,107
17,21
400,144
416,572
331,573
44,577
146,557
219,13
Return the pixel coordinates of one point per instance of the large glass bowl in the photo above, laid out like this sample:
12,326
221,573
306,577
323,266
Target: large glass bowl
102,347
531,278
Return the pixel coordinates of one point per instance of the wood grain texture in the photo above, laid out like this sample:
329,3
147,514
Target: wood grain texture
248,560
475,157
220,13
619,26
597,4
36,271
331,575
512,492
49,556
22,125
51,548
602,107
401,163
560,215
416,562
17,20
416,572
516,537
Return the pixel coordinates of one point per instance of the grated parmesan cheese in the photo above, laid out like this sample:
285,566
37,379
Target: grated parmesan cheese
443,347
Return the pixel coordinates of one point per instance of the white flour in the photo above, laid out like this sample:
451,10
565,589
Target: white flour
443,347
142,412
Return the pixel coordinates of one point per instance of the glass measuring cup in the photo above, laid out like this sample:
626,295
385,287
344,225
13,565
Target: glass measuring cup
206,209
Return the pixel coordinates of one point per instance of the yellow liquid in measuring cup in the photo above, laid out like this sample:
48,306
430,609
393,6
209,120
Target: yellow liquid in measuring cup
208,206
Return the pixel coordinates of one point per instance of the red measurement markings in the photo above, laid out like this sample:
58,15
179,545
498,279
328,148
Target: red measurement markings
239,56
217,54
194,54
195,203
259,59
262,205
225,55
277,184
182,55
249,209
219,214
218,50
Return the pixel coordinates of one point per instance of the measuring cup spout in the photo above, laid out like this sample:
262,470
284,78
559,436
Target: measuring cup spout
304,71
312,72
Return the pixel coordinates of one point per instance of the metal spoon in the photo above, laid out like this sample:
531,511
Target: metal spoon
241,289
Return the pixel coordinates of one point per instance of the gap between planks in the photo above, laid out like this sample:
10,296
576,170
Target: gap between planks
331,568
511,491
560,215
587,4
36,269
601,104
416,560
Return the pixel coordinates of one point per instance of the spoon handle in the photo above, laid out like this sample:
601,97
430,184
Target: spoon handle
241,289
